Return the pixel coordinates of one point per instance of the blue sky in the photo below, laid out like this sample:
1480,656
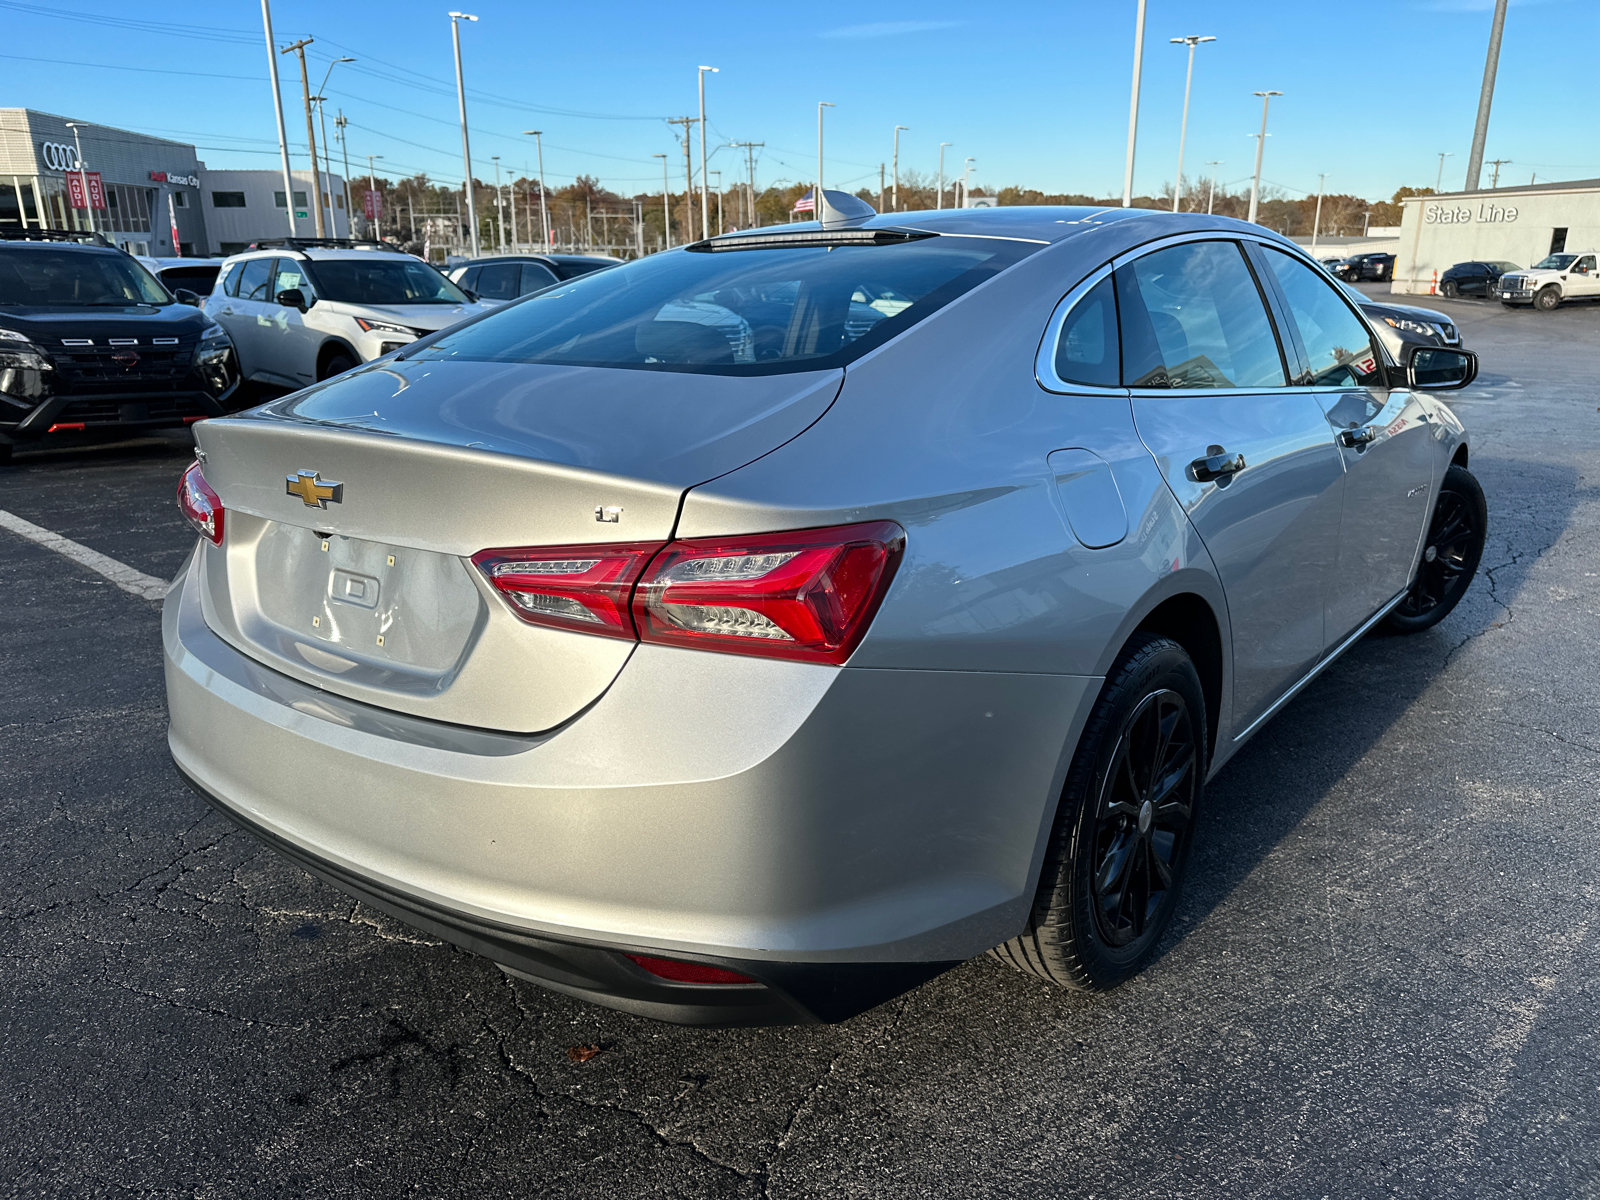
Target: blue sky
1037,93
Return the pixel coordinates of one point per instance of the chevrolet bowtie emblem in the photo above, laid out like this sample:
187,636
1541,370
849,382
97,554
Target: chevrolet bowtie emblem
313,489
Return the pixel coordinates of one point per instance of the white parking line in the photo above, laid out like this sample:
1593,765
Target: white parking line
147,587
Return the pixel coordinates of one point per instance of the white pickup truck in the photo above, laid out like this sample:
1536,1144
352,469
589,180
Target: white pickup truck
1564,276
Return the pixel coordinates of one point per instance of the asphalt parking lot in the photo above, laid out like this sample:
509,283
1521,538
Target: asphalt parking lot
1384,980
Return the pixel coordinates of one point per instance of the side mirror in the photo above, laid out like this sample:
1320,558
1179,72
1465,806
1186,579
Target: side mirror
185,296
293,298
1441,368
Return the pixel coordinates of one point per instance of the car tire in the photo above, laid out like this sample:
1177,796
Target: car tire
1450,555
1548,299
337,365
1114,865
1451,290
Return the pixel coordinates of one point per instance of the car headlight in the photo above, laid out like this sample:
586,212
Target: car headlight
213,358
1406,325
386,327
26,375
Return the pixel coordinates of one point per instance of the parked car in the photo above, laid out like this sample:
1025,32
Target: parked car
1552,280
1376,266
91,341
507,276
191,280
748,679
1477,278
1400,327
304,309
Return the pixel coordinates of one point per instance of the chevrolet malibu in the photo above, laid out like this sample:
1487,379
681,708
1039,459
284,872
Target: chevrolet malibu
757,669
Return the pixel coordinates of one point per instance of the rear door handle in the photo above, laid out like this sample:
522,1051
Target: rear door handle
1218,464
1354,439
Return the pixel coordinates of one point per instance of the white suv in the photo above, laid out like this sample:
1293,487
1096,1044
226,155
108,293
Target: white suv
303,309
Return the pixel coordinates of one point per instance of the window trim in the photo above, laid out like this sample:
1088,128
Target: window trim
1378,349
1044,362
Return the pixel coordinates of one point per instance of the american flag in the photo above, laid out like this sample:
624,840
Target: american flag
804,204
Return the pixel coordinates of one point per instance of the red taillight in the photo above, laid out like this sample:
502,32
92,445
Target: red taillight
805,595
200,504
683,972
585,588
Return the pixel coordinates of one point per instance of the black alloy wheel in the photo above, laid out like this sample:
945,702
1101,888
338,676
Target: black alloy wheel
337,365
1144,817
1450,554
1450,289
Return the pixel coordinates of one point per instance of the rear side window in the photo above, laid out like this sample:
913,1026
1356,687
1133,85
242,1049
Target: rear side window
291,274
257,275
1336,341
499,281
1087,351
536,277
1192,317
739,312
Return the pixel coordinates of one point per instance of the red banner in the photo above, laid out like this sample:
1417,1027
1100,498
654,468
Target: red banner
374,205
97,194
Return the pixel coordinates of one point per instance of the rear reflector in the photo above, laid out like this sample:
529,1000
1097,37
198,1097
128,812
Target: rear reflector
683,972
570,587
807,595
201,506
66,427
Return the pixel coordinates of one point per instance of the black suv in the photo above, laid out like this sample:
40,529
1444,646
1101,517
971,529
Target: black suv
89,340
1377,266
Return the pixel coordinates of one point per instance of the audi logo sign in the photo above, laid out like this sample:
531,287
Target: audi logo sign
59,157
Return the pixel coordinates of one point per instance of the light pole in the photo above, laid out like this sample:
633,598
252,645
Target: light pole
1211,192
819,207
544,211
939,203
499,209
1480,130
1183,130
705,201
466,150
83,178
1316,221
718,174
1133,107
339,122
327,150
299,49
666,200
965,169
372,186
1438,184
1261,146
277,111
897,129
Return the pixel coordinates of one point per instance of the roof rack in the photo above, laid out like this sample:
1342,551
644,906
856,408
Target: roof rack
82,236
323,243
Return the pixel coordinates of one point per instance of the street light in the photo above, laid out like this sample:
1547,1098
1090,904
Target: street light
1133,107
897,129
1480,130
718,174
372,187
1261,145
461,99
1438,184
965,169
1316,221
277,111
666,202
83,178
939,203
817,207
1211,192
327,152
705,201
544,211
499,209
1183,130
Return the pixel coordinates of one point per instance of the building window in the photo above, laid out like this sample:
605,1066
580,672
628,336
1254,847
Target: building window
338,200
299,199
1558,240
179,200
228,199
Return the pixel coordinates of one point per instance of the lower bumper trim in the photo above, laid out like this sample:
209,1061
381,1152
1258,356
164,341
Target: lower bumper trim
786,993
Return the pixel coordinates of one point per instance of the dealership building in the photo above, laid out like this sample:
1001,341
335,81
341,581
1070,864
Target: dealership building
1510,224
135,189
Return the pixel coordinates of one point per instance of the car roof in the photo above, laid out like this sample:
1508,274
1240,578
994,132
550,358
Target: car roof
318,253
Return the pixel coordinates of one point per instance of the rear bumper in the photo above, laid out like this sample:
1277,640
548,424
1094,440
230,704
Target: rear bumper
837,835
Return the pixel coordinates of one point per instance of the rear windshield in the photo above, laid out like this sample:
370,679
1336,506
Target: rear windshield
383,281
76,279
736,312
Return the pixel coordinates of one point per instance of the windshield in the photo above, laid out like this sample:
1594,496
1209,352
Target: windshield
1503,267
736,312
76,279
383,281
1556,262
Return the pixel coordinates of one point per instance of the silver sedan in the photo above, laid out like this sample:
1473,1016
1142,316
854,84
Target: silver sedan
749,633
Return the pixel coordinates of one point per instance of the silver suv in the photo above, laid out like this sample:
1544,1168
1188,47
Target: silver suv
304,309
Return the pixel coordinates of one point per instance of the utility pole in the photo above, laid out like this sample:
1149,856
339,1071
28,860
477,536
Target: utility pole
819,209
466,150
1496,163
688,178
1133,107
883,192
372,186
939,203
1316,221
339,123
1183,130
1261,146
666,201
750,151
277,111
1438,184
1211,192
299,49
1480,130
897,130
705,201
638,228
544,209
